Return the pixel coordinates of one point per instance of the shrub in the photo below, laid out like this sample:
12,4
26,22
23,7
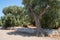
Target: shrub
8,21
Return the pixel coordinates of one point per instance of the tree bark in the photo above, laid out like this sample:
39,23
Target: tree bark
37,20
37,23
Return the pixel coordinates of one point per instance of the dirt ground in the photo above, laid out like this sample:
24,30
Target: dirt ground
10,35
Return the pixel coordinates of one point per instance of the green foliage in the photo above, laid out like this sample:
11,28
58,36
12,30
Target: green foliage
52,18
15,16
19,16
8,20
15,10
11,17
49,20
0,22
25,20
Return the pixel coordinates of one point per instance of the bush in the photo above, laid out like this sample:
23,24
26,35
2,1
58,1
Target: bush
0,22
8,21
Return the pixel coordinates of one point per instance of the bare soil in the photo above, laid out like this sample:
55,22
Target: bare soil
12,35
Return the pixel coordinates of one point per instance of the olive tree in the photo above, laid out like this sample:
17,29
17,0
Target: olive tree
37,9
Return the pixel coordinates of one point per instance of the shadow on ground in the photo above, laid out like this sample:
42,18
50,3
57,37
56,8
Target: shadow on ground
18,31
21,34
25,34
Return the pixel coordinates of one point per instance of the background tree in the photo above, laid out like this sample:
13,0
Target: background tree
18,14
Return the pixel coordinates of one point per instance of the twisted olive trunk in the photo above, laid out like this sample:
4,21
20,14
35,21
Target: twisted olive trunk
37,23
37,20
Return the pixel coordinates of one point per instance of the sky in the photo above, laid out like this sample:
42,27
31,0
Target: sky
5,3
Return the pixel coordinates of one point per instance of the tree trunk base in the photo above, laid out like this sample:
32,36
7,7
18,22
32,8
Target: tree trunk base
41,33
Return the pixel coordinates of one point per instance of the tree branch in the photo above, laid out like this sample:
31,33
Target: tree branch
44,11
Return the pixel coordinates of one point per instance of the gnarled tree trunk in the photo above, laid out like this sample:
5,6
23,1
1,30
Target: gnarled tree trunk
37,23
37,19
39,29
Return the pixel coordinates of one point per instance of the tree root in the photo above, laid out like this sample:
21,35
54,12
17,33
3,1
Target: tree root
41,33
